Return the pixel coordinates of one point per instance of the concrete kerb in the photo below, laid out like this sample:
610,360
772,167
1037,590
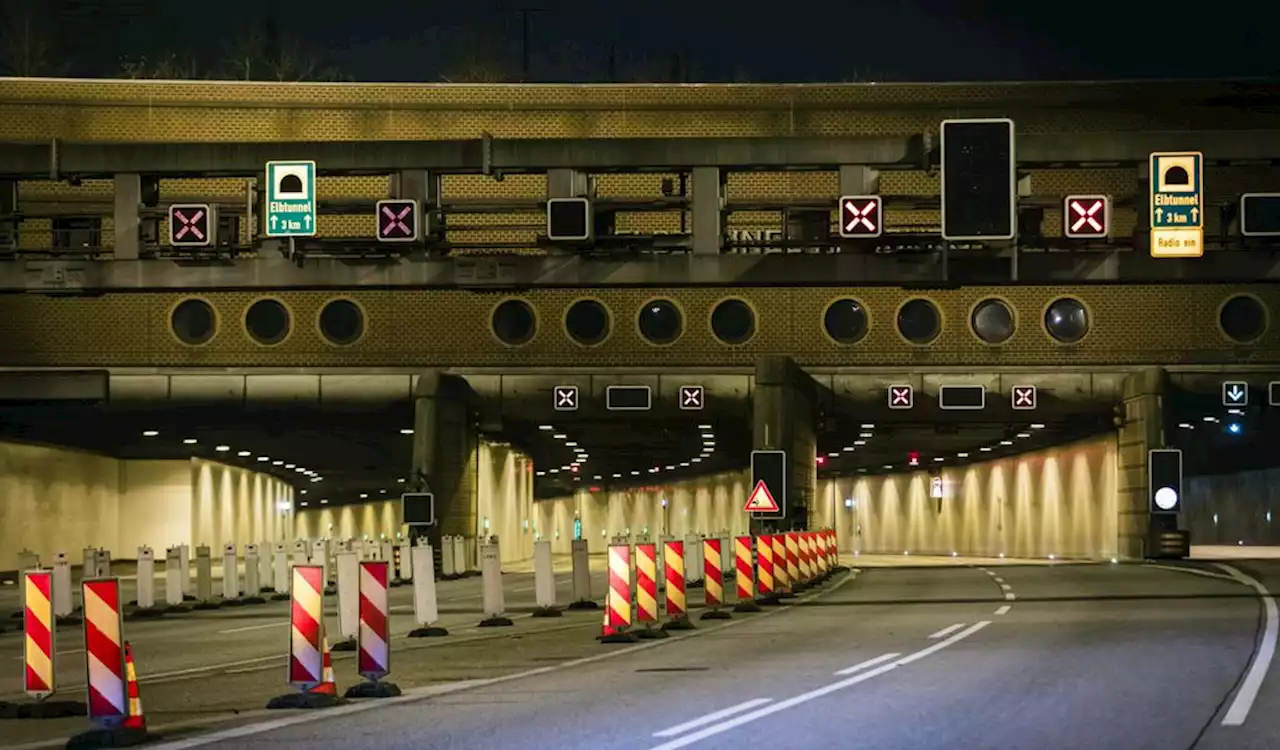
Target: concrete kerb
415,695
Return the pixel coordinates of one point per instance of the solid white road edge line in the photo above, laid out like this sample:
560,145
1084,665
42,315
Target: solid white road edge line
1195,572
1238,711
247,628
948,630
723,713
415,695
866,664
738,721
1004,610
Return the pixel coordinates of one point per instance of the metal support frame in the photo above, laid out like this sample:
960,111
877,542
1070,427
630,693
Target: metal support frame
708,210
128,199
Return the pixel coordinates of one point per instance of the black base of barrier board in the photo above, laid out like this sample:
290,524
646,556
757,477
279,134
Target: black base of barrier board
71,620
747,606
279,597
680,623
617,638
428,632
650,634
693,584
787,595
496,622
53,709
717,614
330,590
548,612
15,615
268,589
584,604
149,613
373,690
207,605
118,737
233,602
841,569
305,700
768,601
188,598
344,646
249,600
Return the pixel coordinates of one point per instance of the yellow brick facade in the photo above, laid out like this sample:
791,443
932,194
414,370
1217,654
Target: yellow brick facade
38,110
1130,325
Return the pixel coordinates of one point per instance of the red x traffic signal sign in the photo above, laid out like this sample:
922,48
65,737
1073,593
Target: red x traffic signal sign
191,225
1086,216
861,216
398,220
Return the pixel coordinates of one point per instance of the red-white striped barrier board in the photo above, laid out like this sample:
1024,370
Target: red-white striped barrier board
38,629
374,639
713,582
104,651
781,579
673,557
746,574
306,626
764,563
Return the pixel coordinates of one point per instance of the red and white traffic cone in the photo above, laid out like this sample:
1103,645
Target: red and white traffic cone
327,686
136,719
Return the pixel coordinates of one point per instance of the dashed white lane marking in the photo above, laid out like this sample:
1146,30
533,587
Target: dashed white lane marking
1238,711
247,628
1006,587
866,664
760,713
1009,596
997,579
948,630
1004,610
723,713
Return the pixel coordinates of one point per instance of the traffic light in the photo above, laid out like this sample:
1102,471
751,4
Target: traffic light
569,219
1164,480
191,225
1260,214
979,180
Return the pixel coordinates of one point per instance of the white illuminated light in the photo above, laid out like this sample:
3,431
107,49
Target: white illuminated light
554,471
985,449
303,491
1024,435
635,473
1186,425
324,502
672,467
406,431
545,427
222,448
560,436
962,455
190,441
704,427
617,476
364,495
541,473
1037,426
264,458
888,466
685,464
696,460
150,433
1006,442
289,466
849,449
939,459
1167,498
400,480
868,426
865,435
243,454
859,442
273,463
1211,419
571,444
833,455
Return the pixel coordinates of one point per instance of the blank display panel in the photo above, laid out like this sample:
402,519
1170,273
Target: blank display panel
568,219
978,180
628,398
970,397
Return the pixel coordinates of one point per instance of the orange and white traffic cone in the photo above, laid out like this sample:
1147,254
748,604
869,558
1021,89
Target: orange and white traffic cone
327,684
135,719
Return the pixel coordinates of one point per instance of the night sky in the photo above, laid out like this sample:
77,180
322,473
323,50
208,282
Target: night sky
797,40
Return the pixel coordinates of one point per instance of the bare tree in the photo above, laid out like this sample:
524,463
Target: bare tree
260,52
478,60
26,41
170,67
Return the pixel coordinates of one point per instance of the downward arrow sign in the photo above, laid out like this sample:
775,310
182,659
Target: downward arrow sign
1235,393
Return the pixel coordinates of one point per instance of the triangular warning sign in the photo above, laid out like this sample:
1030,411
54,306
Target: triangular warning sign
761,500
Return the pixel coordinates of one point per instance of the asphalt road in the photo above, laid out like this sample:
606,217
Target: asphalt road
1067,656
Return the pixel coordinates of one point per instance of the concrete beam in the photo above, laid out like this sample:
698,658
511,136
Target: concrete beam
34,161
471,272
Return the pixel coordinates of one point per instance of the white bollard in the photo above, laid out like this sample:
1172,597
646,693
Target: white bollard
447,567
300,548
102,567
62,604
370,550
406,563
280,564
230,572
252,584
146,578
387,554
348,568
581,574
495,605
461,559
204,574
173,577
184,566
544,579
692,556
320,556
425,608
266,571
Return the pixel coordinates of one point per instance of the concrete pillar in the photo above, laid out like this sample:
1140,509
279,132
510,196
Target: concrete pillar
424,187
1142,430
128,197
8,207
568,183
784,417
444,452
859,179
708,214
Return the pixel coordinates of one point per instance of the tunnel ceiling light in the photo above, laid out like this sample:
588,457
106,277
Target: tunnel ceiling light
545,427
317,479
303,503
598,476
324,502
1211,419
704,427
859,442
695,459
654,470
400,480
1024,435
554,471
222,448
1006,442
985,449
243,454
862,470
635,473
962,455
1186,425
364,495
560,436
868,425
571,444
865,435
708,436
540,473
303,491
289,466
150,433
190,441
939,458
617,476
277,463
1236,412
1037,426
849,449
888,466
685,464
264,458
406,431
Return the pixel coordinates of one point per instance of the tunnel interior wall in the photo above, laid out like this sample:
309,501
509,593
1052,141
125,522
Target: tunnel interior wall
1060,501
60,500
1233,508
